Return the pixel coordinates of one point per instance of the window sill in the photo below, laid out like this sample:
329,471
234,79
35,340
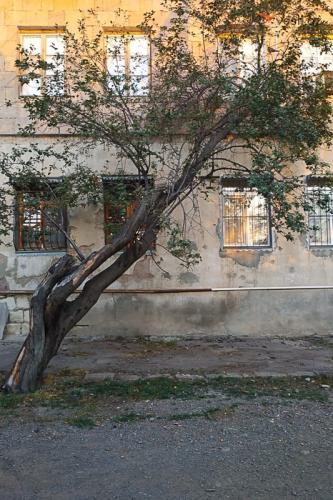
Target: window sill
241,249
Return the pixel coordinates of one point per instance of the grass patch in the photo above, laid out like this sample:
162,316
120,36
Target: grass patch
283,387
10,401
90,397
129,417
82,422
157,388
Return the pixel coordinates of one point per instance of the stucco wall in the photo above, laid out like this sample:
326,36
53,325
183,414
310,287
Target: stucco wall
291,312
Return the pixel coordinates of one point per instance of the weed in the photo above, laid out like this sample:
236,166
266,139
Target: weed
82,422
284,387
10,401
157,388
72,394
129,417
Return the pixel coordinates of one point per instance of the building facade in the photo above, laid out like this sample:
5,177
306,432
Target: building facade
251,281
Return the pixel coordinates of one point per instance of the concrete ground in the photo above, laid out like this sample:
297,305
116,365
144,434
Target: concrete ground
226,356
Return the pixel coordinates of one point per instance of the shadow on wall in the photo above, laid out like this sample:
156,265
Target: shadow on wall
254,313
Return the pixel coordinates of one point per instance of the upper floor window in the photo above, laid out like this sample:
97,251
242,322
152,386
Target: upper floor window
317,61
243,60
49,48
39,222
128,64
321,215
245,218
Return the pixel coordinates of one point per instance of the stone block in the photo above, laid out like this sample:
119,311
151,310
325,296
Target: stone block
3,318
10,301
26,316
22,302
25,327
16,316
13,329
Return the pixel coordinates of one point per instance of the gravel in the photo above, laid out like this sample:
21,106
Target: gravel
261,449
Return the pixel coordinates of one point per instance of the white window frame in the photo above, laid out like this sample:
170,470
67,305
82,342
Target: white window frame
318,219
123,63
244,64
317,62
44,45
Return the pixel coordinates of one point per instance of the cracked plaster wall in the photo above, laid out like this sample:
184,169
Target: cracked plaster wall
247,313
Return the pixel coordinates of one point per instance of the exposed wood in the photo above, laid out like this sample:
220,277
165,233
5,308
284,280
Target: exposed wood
28,367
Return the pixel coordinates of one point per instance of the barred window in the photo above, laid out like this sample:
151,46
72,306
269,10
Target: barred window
321,215
38,223
120,202
122,196
245,218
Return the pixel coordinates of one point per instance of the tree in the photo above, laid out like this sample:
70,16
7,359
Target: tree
175,130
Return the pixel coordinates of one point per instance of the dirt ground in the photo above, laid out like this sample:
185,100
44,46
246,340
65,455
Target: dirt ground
247,450
230,356
238,419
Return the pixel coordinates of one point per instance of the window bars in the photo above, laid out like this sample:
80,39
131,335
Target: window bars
38,223
321,215
245,218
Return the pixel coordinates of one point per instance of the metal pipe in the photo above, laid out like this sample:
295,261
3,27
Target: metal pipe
8,293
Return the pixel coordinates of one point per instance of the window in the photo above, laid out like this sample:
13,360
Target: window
243,63
50,47
318,62
121,199
128,64
321,216
38,223
245,218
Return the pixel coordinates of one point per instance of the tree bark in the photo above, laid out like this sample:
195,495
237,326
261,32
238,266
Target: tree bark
30,361
50,321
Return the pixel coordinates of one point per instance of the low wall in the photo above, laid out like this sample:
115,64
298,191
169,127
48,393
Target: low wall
242,312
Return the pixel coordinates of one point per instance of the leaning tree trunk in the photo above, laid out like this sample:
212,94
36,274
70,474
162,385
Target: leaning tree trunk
52,316
32,358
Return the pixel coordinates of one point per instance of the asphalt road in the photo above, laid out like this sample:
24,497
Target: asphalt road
275,450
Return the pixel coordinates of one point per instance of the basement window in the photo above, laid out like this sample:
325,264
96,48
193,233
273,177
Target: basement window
245,217
39,222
